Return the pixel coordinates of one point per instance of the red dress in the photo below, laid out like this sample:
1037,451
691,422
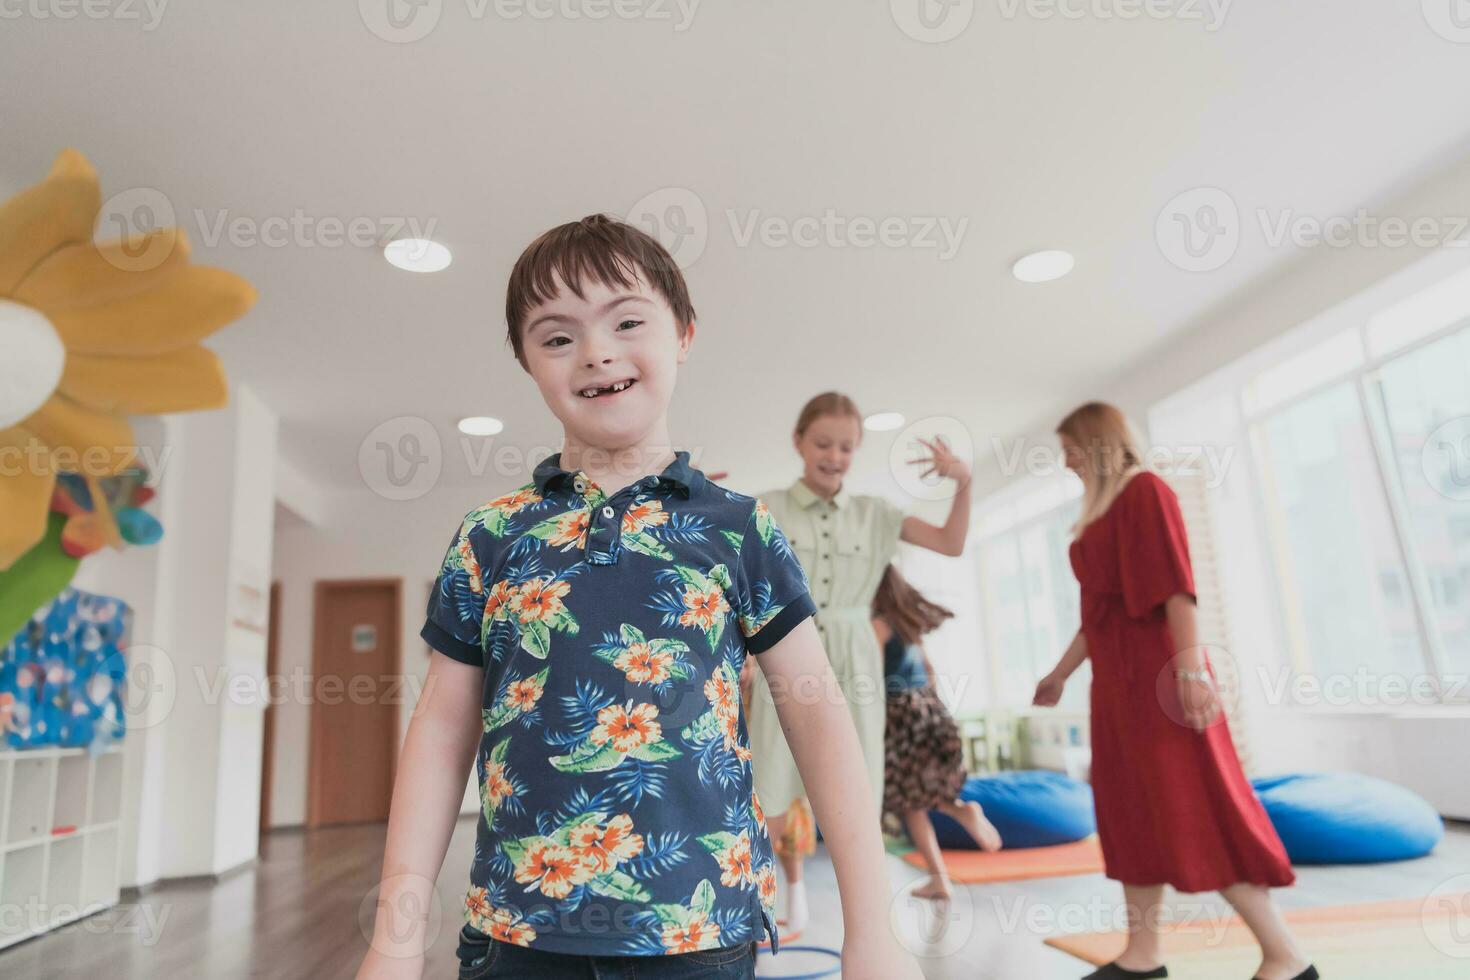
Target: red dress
1173,806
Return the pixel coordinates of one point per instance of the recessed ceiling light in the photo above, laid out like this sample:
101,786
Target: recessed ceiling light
1043,266
883,421
480,425
417,254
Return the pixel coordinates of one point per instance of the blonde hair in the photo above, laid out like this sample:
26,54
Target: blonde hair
1113,455
827,403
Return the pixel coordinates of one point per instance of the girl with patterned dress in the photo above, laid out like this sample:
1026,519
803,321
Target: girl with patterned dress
844,541
1173,806
923,761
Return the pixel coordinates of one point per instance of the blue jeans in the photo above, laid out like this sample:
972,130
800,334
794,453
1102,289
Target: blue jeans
481,957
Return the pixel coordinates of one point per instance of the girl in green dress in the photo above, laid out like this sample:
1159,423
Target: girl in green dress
844,542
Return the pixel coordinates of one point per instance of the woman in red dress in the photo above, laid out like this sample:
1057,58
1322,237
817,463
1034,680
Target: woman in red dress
1173,806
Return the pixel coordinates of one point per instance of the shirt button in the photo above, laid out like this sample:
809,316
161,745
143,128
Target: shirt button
579,485
826,533
607,512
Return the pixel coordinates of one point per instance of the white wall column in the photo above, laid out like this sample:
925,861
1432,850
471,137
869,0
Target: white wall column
200,599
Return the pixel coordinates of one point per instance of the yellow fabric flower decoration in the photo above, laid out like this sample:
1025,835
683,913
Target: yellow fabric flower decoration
89,334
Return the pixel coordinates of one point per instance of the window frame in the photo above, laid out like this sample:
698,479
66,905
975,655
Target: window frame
1366,384
1010,535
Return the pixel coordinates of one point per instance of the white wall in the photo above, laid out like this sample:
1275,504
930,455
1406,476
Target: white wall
241,724
363,536
192,756
141,577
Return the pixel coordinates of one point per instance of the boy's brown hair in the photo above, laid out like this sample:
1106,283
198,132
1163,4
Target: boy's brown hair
610,251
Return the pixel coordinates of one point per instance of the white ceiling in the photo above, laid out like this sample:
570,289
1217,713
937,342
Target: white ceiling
1039,132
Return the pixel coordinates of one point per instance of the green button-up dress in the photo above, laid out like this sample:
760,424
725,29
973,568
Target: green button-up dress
844,545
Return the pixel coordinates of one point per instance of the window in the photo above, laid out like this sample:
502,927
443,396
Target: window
1338,558
1426,399
1030,601
1365,472
957,648
1426,312
1330,359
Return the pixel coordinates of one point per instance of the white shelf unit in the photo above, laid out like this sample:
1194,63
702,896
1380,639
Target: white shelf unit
59,823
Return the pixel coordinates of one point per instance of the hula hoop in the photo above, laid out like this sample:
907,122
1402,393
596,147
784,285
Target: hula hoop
831,971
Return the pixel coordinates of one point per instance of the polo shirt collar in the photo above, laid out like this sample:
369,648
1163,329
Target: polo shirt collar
803,496
687,479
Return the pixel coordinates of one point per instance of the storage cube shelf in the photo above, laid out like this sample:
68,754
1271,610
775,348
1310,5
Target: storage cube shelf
1059,741
59,832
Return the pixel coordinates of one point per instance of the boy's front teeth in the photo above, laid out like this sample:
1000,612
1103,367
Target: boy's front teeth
594,392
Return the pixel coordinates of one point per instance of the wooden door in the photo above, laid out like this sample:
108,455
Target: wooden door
356,686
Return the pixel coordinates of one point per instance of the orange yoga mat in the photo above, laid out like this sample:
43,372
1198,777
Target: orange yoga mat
977,867
1422,938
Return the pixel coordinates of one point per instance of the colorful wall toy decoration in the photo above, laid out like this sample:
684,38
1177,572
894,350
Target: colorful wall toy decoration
62,676
90,333
100,510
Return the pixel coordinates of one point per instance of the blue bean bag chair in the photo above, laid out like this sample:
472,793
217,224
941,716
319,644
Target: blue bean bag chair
1345,818
1032,808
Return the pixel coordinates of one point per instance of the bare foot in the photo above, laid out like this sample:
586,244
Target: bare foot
936,887
972,817
797,911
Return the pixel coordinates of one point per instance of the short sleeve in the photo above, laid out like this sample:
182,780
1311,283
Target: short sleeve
771,590
457,602
1153,549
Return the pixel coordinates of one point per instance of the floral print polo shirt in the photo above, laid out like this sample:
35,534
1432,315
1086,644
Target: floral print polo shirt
618,812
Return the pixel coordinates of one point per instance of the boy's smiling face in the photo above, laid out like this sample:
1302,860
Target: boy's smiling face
606,362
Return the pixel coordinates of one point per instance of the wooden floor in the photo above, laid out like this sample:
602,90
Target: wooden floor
299,914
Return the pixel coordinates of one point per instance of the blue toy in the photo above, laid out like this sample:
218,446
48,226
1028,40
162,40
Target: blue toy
1345,818
1030,808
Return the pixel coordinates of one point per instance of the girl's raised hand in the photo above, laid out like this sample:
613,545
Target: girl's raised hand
942,461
